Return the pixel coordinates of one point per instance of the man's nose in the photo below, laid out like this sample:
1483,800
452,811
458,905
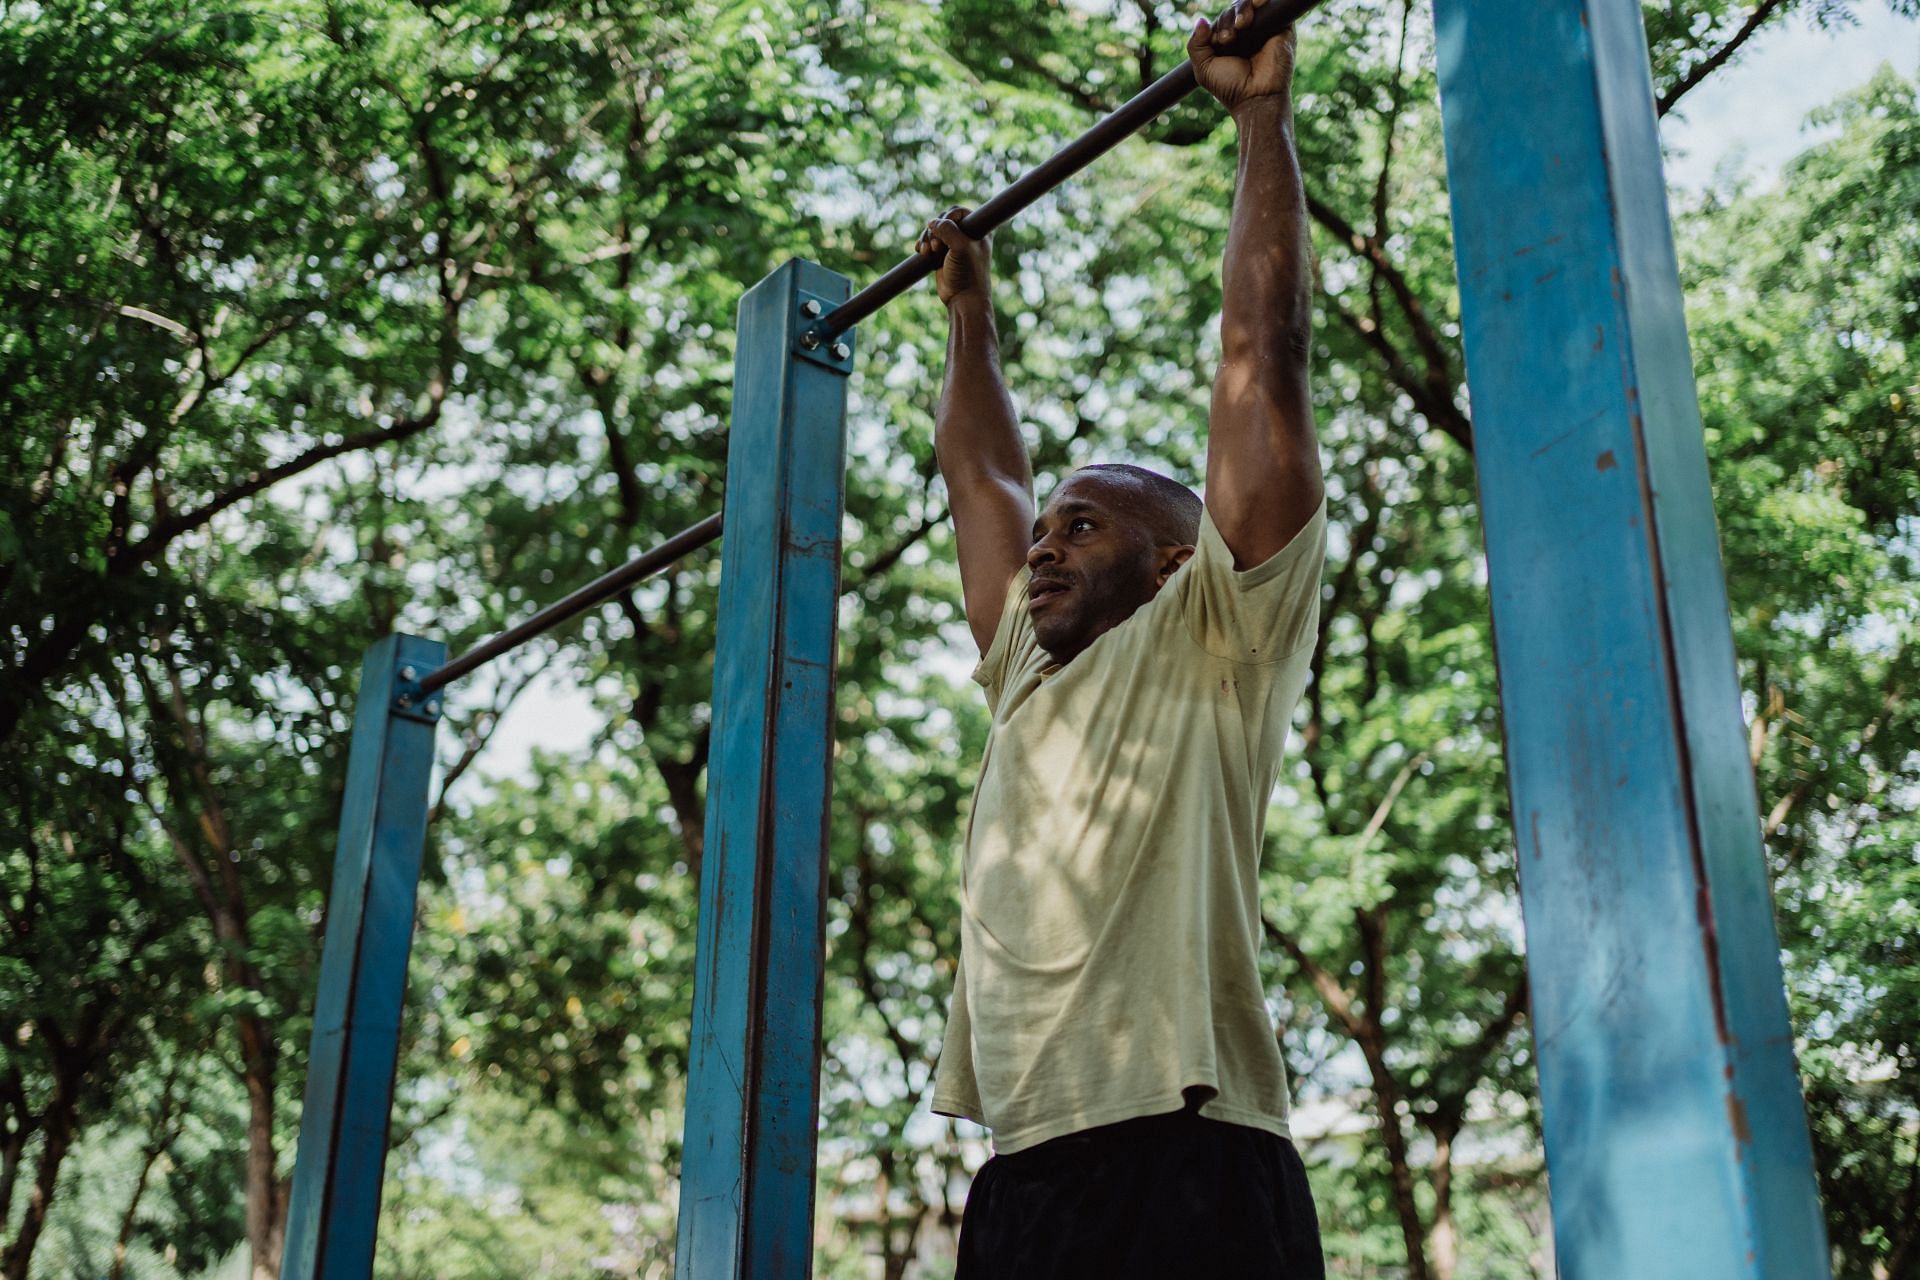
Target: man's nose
1042,552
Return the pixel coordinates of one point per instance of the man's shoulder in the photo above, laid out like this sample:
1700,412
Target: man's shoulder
1261,615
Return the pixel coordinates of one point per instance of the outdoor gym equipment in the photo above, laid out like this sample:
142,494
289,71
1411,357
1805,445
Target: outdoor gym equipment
1675,1133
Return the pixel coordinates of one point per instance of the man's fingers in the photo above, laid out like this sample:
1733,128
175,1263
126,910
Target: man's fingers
1223,27
1238,17
949,234
943,234
1200,43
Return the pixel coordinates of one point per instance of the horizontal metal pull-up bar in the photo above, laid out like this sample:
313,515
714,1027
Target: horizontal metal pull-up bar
1269,21
607,584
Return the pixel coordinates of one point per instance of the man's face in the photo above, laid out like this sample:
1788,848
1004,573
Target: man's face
1094,560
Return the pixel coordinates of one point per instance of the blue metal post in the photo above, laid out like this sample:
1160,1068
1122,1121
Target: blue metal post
342,1154
746,1187
1676,1136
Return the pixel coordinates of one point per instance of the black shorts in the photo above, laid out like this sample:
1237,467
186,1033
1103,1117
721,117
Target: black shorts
1168,1197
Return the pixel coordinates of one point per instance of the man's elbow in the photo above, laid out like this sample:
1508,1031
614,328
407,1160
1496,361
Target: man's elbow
1260,374
1270,343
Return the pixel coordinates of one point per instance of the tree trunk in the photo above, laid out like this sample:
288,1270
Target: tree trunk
131,1217
1386,1095
900,1257
1446,1243
1371,1035
225,902
896,1252
1363,1025
58,1125
19,1125
160,1136
266,1206
11,1152
689,811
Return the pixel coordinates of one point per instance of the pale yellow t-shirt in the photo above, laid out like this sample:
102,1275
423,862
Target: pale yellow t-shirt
1109,890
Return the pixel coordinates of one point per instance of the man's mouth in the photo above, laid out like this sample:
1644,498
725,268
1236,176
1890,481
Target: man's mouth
1042,590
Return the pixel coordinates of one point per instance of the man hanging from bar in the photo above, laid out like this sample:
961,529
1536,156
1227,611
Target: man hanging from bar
1143,653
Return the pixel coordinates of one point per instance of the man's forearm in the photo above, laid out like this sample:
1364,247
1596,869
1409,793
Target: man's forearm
1263,458
976,432
1266,305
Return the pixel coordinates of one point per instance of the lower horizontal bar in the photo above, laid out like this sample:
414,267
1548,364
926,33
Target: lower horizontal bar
602,587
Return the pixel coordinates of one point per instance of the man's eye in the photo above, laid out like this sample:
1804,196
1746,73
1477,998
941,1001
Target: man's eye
1078,525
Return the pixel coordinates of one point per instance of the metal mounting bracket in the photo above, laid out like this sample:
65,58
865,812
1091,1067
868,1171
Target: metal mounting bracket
836,352
408,701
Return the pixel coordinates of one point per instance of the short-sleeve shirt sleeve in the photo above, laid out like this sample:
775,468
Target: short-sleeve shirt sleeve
1014,644
1258,615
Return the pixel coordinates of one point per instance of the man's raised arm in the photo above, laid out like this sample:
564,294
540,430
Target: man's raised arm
976,435
1263,459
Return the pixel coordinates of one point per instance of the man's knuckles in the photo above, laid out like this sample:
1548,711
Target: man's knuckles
1235,18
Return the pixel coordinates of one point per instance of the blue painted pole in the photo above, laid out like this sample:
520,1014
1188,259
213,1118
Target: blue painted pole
342,1153
746,1185
1675,1131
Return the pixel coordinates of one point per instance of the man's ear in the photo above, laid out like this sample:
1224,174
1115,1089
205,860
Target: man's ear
1171,558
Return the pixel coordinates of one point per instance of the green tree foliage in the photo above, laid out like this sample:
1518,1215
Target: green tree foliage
1807,327
324,318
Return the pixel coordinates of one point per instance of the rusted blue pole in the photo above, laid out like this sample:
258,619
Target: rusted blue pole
1676,1136
746,1186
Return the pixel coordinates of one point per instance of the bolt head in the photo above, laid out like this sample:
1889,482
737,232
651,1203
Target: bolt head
407,673
810,308
432,708
404,700
809,340
841,350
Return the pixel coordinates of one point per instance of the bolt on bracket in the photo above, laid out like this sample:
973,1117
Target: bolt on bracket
833,351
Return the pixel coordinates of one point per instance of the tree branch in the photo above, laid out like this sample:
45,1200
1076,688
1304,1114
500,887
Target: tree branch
1381,184
1385,807
1433,402
479,733
1891,700
1717,59
891,556
1345,585
1365,1029
1143,51
1373,250
860,927
164,532
1027,62
1337,999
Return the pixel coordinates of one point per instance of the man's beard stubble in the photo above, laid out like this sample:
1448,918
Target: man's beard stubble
1077,620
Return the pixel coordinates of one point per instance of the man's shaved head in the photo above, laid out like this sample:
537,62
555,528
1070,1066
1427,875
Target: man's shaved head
1169,510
